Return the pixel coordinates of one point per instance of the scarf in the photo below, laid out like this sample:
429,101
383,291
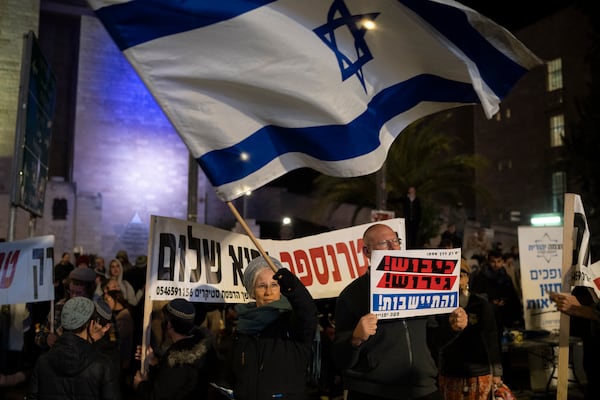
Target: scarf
252,319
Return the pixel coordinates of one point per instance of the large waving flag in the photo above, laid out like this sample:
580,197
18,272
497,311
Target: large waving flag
259,88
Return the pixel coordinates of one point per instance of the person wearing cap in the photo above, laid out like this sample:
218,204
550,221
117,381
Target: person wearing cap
80,283
184,370
389,359
272,344
471,365
74,367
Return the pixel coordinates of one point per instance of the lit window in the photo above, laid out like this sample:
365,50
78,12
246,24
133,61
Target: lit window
555,76
559,187
557,130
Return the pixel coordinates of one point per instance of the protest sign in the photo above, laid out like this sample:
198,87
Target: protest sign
205,264
408,283
26,270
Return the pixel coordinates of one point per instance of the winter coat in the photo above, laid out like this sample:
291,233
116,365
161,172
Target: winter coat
395,362
74,368
273,363
475,352
184,371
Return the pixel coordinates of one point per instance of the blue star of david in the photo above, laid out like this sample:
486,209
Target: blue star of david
326,33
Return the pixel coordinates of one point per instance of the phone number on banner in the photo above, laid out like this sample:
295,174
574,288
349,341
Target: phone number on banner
200,294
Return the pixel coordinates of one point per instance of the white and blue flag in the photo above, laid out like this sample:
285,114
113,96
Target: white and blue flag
259,88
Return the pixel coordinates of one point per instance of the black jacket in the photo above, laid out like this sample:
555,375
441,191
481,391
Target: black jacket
274,362
396,362
475,351
184,371
74,368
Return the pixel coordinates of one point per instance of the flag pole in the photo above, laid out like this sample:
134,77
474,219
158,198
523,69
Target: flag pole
562,381
249,232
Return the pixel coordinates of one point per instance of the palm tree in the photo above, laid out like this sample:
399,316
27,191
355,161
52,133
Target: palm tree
422,156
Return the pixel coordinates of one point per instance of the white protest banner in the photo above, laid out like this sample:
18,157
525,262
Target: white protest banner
26,270
409,283
206,264
582,272
540,255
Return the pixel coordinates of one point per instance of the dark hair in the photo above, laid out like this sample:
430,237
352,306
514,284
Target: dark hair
495,254
118,297
90,287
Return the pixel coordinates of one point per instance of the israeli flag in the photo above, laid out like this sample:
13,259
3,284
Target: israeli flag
259,88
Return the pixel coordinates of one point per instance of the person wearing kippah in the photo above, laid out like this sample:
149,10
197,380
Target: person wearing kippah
80,283
74,367
272,344
184,370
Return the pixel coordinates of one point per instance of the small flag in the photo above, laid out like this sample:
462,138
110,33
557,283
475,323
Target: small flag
259,88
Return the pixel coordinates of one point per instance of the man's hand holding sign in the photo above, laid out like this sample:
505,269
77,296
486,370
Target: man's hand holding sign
382,348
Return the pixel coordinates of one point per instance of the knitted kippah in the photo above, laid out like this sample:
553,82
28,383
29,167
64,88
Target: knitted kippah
76,312
181,309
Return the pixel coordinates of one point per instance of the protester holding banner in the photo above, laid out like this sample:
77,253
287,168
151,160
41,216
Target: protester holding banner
272,344
471,364
184,370
388,359
74,367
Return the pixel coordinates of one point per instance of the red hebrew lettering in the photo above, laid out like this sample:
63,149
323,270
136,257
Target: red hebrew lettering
417,282
342,249
286,258
336,268
426,266
8,268
418,265
303,267
356,250
317,258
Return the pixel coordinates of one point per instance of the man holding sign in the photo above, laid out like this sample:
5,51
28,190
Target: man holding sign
389,359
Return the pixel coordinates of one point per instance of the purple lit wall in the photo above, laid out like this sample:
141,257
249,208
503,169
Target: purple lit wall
127,155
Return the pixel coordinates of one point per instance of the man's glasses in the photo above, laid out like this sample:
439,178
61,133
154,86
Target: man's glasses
389,243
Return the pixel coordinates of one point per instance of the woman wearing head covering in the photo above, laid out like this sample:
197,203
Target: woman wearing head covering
115,271
272,344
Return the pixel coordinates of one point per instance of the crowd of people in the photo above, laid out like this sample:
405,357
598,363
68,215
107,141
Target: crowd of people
282,344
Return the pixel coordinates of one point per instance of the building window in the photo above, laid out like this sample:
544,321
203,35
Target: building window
559,187
59,209
557,130
555,77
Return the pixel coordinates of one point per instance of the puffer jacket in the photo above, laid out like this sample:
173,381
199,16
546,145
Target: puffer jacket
74,368
184,371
